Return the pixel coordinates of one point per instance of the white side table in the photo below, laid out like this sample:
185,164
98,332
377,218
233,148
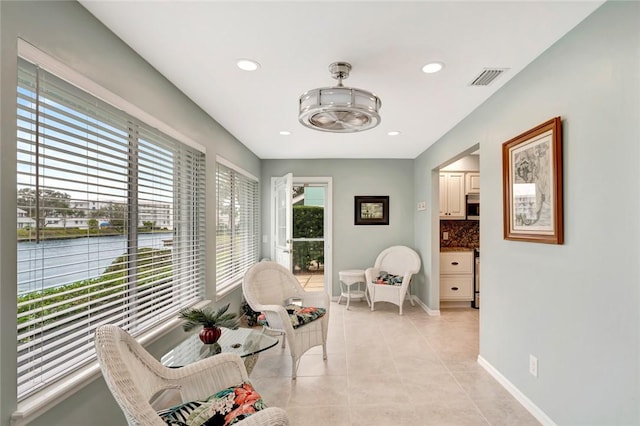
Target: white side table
352,278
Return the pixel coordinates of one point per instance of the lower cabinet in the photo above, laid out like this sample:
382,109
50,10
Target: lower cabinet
456,276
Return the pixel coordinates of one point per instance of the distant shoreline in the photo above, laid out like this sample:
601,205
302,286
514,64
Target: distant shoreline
31,239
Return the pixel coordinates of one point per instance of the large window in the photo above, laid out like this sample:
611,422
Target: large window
110,225
237,234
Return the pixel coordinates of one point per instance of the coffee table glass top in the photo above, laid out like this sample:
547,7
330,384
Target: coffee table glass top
243,341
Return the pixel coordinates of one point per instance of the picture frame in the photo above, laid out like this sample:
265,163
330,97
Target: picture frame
532,185
371,210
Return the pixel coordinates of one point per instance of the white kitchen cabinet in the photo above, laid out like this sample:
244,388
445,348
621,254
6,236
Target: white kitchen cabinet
472,182
456,276
452,202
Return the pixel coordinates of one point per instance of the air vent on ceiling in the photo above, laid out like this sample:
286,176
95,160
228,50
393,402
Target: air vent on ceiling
487,76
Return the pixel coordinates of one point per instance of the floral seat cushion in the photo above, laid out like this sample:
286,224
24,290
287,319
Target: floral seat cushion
388,279
224,408
299,315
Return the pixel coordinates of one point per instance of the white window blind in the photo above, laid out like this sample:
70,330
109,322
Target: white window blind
237,235
110,225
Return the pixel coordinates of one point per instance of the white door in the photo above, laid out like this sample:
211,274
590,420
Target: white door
282,189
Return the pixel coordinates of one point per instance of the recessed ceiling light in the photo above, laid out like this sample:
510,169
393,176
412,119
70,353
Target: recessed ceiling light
247,64
285,133
432,67
393,133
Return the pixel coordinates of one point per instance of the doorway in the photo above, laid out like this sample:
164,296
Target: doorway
308,212
305,229
458,236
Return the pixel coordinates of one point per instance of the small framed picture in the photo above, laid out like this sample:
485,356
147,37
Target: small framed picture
532,185
371,210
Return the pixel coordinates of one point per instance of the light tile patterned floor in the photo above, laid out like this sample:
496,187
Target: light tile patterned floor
386,369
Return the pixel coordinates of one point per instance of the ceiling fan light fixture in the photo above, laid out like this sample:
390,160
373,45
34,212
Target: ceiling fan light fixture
339,109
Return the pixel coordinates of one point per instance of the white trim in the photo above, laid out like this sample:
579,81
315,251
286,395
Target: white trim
36,56
272,215
229,164
455,304
428,310
517,394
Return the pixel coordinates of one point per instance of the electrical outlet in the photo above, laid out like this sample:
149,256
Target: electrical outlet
445,235
422,205
533,366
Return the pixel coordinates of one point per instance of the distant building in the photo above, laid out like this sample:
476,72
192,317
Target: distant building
161,214
312,196
25,221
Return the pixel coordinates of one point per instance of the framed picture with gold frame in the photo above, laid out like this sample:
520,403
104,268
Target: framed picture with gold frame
532,185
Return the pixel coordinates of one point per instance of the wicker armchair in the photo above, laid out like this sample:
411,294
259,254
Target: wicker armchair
135,377
267,287
397,260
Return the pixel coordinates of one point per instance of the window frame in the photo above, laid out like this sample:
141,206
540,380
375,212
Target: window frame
36,402
228,283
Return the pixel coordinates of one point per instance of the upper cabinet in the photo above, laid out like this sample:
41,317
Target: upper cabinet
452,192
472,182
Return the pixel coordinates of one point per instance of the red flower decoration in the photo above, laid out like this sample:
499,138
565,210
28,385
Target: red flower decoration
246,396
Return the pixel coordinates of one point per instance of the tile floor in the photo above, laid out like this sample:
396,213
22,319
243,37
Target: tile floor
311,282
386,369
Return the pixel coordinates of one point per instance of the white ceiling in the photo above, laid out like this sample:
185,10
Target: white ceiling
195,45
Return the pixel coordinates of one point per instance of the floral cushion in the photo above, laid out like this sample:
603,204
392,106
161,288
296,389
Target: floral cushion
224,408
389,279
299,315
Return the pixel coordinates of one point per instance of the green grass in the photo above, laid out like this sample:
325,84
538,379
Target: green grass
47,306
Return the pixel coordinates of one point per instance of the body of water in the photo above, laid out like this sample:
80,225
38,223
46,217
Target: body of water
52,263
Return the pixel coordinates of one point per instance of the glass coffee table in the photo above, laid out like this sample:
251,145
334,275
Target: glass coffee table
246,342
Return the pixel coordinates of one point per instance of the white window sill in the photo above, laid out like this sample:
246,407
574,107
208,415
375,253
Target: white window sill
39,403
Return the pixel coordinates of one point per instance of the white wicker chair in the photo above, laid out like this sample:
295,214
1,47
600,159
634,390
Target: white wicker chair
396,260
135,377
267,286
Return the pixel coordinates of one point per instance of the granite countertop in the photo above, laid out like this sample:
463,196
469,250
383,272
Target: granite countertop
443,249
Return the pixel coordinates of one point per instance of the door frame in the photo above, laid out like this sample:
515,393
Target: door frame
327,181
281,253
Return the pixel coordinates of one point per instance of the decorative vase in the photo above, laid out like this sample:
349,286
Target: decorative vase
210,335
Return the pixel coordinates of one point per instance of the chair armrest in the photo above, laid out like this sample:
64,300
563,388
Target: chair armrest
406,278
201,379
272,416
371,274
277,317
318,299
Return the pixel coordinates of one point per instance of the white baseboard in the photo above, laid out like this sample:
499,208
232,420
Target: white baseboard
428,310
454,304
522,398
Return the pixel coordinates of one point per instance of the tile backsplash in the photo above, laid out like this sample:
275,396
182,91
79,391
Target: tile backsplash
462,233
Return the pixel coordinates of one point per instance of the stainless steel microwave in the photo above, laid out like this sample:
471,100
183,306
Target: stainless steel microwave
473,207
